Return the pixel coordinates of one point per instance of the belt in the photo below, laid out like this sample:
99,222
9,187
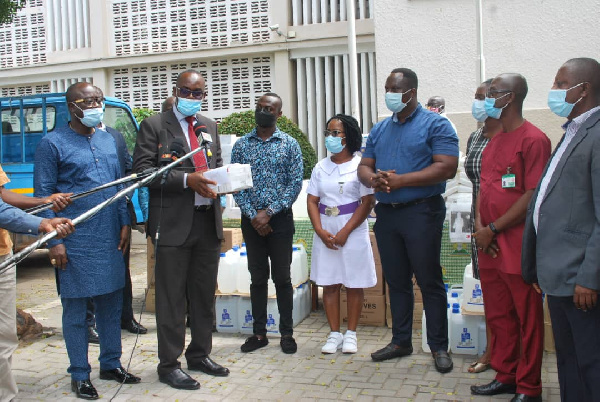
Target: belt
411,203
339,209
202,208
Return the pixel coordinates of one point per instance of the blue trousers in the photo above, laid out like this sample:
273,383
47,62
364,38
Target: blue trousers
577,349
409,240
75,332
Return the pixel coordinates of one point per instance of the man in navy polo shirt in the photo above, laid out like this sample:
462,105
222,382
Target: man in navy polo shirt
407,160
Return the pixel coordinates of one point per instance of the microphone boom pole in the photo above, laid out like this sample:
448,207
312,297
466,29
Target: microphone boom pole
44,207
89,213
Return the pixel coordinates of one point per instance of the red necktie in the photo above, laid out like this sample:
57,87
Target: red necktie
199,157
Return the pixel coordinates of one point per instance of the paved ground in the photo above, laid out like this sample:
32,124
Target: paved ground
266,374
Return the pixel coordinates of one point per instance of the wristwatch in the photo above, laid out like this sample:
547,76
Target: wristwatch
493,228
270,211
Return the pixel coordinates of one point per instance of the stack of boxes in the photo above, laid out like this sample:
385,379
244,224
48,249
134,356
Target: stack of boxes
232,236
374,305
418,309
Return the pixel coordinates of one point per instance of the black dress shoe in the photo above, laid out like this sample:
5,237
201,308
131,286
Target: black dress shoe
119,375
443,361
391,351
208,366
493,388
84,389
133,326
93,335
179,379
526,398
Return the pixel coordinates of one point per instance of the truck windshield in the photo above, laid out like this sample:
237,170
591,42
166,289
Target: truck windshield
12,142
119,119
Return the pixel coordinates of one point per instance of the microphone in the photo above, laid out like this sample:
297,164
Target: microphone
164,153
201,132
176,149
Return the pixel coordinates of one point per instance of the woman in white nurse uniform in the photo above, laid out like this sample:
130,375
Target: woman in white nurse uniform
338,205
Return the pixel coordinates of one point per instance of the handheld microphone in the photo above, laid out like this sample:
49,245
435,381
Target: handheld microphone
176,149
201,132
164,153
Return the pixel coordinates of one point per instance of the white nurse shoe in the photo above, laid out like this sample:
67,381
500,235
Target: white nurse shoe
334,343
350,342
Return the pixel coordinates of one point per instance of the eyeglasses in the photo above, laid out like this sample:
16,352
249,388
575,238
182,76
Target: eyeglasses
333,133
494,93
89,102
185,93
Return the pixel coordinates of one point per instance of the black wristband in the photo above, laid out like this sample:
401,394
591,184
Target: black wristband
493,228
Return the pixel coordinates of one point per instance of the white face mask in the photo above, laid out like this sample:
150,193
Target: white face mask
393,101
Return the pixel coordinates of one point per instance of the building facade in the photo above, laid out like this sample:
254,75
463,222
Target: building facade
133,49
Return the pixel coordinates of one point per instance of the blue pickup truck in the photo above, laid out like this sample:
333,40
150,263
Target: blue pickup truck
26,119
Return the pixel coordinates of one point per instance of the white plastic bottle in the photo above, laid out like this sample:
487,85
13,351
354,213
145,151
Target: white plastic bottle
464,333
424,344
226,309
295,268
243,275
272,316
482,336
245,318
303,262
227,275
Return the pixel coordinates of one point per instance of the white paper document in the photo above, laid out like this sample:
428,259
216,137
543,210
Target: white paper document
230,178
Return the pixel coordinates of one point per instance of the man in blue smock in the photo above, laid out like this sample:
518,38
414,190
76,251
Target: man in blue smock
407,160
74,159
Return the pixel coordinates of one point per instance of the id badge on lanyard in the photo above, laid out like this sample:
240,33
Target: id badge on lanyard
508,180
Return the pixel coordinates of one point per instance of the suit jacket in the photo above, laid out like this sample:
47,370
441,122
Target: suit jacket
566,249
176,214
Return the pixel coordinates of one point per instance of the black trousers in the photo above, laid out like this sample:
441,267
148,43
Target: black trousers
409,240
577,341
193,267
127,311
278,246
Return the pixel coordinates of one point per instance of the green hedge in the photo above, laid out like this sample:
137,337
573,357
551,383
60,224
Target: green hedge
243,122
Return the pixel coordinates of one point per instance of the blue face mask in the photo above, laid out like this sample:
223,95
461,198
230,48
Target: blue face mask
334,144
393,101
188,107
478,110
91,117
493,111
557,101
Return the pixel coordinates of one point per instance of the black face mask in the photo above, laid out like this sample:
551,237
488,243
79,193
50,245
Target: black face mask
264,119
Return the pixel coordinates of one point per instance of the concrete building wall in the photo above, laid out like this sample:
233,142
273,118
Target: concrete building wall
438,39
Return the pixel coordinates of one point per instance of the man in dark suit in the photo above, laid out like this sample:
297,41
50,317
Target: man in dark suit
185,224
561,242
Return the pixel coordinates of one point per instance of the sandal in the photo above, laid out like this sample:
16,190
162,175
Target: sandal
478,367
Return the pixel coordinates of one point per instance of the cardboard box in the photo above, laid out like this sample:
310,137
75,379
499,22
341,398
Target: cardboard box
231,237
549,338
417,315
416,291
150,262
373,312
379,288
151,300
376,255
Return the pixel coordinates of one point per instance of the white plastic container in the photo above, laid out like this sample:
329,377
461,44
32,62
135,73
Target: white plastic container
473,295
307,299
243,275
482,337
226,308
245,318
272,316
453,298
424,344
464,333
299,266
227,275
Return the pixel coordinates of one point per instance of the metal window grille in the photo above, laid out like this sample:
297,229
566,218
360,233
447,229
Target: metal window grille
157,26
25,89
306,12
23,42
323,89
232,84
68,24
